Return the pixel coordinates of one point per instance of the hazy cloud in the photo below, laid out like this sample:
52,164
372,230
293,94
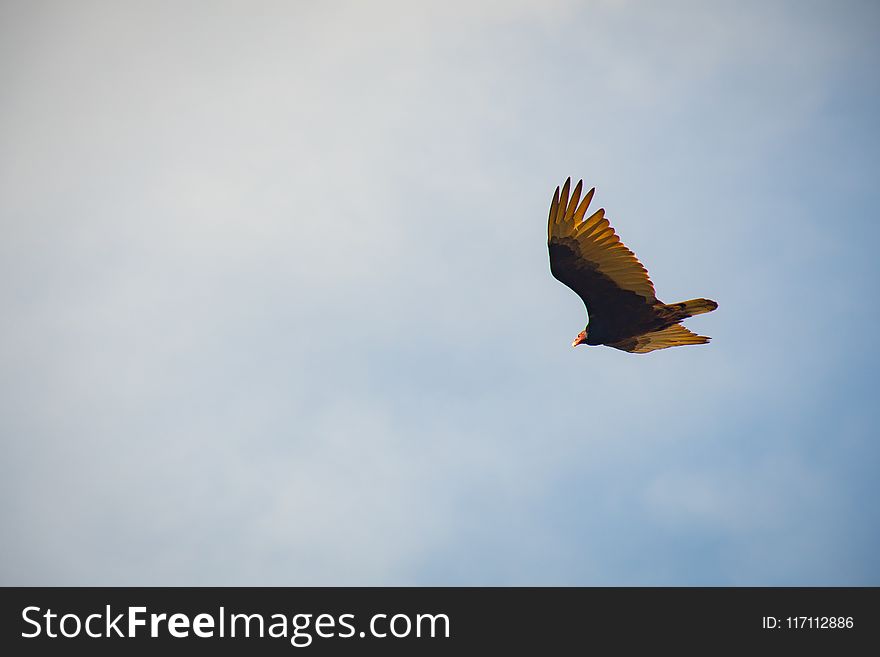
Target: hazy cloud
277,307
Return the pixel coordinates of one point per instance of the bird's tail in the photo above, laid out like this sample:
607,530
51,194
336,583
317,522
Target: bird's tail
684,309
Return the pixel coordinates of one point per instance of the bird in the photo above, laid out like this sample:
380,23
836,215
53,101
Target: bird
622,308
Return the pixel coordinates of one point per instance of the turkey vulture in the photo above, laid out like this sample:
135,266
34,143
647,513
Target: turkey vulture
589,257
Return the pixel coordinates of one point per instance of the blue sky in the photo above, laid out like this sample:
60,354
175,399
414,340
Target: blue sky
277,307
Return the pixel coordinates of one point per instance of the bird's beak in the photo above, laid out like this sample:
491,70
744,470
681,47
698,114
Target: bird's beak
580,339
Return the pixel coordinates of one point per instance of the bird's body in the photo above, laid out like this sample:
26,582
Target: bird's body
623,309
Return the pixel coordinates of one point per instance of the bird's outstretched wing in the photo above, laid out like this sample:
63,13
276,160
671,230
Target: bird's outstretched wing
588,256
672,336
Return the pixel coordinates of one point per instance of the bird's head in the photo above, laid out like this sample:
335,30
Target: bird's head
580,339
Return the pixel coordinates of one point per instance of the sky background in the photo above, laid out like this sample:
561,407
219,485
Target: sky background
276,305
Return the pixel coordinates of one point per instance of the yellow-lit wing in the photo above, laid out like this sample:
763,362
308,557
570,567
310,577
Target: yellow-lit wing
596,251
672,336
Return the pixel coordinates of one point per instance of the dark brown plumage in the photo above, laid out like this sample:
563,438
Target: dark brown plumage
623,310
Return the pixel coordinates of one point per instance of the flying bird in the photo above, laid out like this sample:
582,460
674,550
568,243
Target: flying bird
624,313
